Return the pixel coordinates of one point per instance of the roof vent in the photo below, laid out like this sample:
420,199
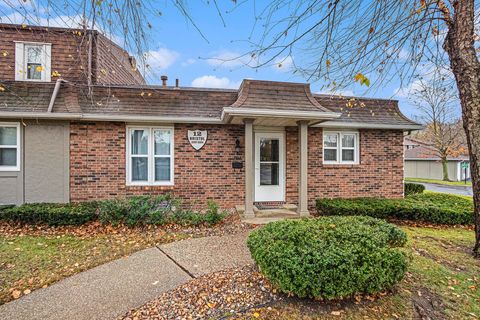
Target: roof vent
164,80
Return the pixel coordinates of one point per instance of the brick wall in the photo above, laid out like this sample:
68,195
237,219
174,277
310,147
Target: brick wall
379,174
97,155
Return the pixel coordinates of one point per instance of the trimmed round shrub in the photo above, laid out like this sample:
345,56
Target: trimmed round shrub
413,188
330,257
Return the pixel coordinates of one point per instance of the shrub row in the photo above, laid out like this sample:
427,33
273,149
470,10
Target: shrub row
158,210
428,207
330,257
52,214
140,210
413,188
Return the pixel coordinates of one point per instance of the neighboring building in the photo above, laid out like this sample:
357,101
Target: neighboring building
422,161
268,142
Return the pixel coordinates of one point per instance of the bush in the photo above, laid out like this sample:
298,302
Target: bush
330,257
413,188
427,207
159,210
52,214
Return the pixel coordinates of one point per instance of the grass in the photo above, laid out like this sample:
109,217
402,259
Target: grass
447,183
29,262
442,282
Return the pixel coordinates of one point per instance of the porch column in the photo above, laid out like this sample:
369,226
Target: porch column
249,178
303,168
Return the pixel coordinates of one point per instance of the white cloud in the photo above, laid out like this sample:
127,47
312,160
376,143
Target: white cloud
161,58
188,62
63,21
230,59
284,64
215,82
342,92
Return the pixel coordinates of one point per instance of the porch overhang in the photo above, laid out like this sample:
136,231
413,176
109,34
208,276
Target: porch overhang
272,117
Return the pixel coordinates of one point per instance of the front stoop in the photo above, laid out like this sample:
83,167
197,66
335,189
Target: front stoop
286,211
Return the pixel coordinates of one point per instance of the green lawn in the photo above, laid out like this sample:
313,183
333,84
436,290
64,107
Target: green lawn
442,282
448,183
29,262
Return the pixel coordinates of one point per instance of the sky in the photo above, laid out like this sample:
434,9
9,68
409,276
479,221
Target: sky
177,49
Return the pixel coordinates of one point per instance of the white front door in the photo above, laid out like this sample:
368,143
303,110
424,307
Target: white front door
269,166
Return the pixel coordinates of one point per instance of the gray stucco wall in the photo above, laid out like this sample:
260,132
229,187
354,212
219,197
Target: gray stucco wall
44,174
429,169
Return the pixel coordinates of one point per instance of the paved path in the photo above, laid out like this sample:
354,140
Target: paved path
110,290
461,190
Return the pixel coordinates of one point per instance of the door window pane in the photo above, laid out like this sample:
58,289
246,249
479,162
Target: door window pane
269,149
8,156
269,173
8,136
139,169
162,142
139,142
348,155
330,140
348,141
330,154
162,169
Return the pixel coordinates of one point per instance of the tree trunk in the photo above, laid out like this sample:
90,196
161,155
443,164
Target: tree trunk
459,44
445,169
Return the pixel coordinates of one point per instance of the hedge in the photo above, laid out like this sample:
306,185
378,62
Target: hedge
330,257
52,214
134,211
413,188
159,210
428,207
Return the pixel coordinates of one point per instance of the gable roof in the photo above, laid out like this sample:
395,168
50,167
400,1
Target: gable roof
158,103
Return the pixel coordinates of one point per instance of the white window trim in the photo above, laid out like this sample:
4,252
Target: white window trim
20,63
339,147
151,157
17,146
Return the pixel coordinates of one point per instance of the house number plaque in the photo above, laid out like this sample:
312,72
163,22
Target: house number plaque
197,138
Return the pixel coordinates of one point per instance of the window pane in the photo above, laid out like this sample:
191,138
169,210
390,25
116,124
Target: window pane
162,142
139,142
8,136
8,156
140,169
162,169
348,141
330,155
348,155
269,174
34,54
269,149
330,140
34,71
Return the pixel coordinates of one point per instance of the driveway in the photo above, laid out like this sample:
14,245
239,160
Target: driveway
460,190
112,289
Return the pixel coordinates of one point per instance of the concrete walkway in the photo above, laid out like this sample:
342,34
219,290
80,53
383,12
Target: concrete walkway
110,290
460,190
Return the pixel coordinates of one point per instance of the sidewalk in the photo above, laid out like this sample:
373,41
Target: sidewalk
110,290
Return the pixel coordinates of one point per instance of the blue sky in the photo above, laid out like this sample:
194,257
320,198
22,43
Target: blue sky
178,50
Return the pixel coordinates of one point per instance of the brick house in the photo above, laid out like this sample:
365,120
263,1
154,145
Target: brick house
103,133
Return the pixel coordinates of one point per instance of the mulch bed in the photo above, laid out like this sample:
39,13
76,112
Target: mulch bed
230,225
217,295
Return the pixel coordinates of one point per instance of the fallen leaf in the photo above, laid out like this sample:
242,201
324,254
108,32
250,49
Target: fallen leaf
16,294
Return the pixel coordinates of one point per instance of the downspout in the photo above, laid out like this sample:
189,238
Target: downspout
54,94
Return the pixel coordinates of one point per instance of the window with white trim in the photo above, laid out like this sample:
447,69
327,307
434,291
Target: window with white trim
33,61
340,147
9,146
150,156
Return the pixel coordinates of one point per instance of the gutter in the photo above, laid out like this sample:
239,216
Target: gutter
363,125
227,113
54,94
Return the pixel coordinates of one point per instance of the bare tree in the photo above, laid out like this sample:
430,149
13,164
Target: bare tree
436,99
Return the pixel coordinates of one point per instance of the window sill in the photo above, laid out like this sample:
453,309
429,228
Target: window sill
141,184
9,169
31,80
